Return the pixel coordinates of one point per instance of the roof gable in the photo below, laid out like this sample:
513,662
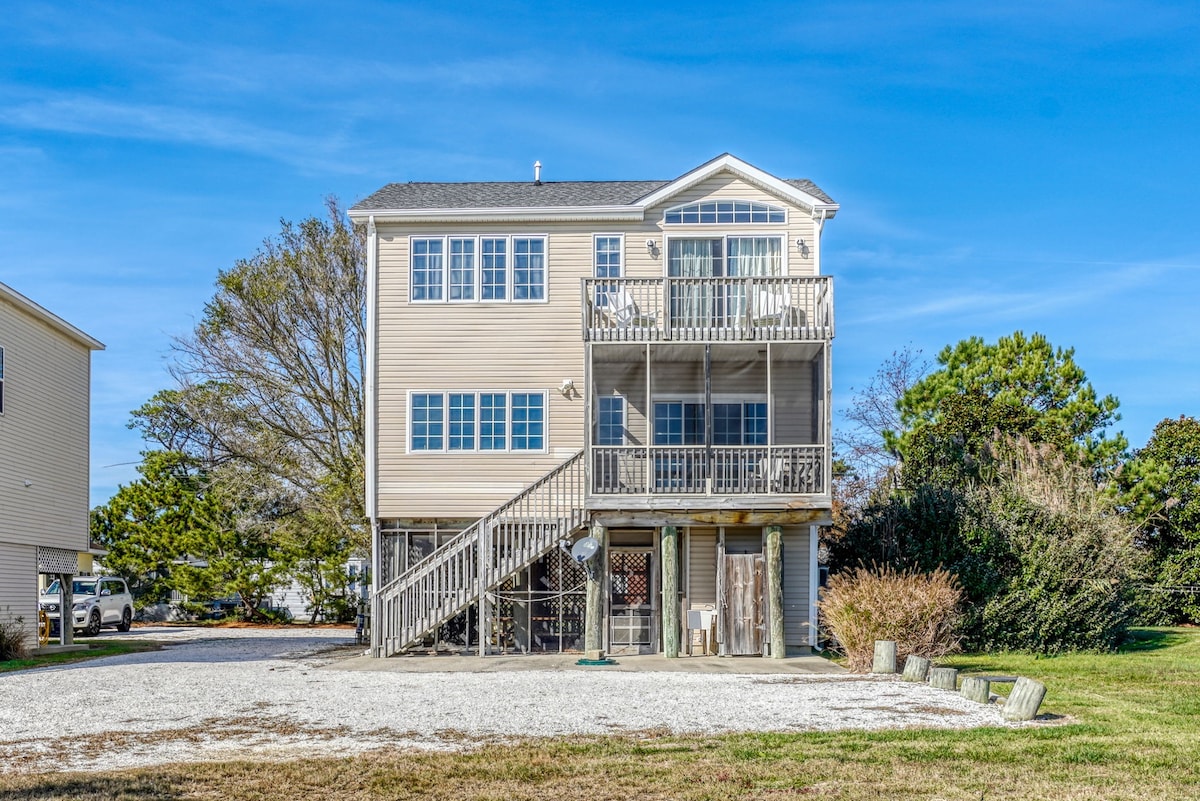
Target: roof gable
49,318
802,192
576,199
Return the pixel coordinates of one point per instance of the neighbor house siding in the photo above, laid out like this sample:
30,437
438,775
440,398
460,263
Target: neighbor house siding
43,434
18,586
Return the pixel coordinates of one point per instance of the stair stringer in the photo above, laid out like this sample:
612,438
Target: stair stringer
488,552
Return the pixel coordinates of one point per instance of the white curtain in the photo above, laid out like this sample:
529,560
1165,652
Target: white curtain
692,301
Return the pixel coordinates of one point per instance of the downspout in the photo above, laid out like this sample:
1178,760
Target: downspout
371,403
818,226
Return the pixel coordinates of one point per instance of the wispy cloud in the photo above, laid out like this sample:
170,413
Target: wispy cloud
81,114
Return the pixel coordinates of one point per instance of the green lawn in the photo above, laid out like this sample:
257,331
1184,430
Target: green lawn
96,649
1121,726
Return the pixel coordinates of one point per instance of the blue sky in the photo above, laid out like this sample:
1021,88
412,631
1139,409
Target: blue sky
1032,165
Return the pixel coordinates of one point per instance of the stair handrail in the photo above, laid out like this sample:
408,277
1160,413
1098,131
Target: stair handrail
572,513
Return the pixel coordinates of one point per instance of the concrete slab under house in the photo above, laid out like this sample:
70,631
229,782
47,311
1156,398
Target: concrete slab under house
642,363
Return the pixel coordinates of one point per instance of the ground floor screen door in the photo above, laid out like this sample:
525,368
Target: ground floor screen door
631,613
741,604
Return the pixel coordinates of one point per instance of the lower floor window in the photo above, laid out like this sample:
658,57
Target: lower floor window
477,421
682,423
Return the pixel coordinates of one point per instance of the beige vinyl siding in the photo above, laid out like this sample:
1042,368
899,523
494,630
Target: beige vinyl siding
18,585
483,346
796,583
702,568
506,346
43,434
793,404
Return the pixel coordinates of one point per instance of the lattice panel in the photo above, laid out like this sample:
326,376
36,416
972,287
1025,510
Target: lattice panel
630,578
57,560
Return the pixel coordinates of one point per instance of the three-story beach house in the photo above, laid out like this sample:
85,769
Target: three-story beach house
646,363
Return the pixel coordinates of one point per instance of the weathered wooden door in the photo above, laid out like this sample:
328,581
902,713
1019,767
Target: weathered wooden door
741,604
632,608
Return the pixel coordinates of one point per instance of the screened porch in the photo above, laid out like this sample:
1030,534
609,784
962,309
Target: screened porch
708,420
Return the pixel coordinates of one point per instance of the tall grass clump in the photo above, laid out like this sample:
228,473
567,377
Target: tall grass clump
14,638
919,611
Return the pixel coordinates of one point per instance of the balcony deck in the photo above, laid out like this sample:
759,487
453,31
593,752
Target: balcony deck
753,309
717,478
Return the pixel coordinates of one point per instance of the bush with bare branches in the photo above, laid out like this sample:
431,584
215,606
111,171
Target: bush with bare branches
14,637
919,611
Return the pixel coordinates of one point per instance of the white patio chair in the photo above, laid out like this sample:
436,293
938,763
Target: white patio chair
772,308
624,311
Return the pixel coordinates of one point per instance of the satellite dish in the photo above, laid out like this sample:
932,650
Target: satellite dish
585,549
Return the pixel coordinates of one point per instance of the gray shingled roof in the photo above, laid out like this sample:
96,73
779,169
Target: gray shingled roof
514,194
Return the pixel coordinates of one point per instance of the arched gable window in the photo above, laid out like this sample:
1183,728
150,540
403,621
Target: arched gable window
725,211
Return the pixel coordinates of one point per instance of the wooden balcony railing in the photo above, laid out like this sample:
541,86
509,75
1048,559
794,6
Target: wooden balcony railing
755,308
701,470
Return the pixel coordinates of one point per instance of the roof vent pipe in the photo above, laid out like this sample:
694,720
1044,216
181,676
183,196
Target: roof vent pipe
537,173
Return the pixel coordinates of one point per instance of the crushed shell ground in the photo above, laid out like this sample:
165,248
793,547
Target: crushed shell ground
216,694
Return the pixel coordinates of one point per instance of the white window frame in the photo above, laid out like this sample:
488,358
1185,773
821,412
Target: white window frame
725,236
477,268
715,398
769,207
624,421
620,255
477,423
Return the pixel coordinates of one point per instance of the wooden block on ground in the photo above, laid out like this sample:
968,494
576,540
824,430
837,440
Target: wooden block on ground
943,678
593,655
885,657
1024,700
916,668
977,689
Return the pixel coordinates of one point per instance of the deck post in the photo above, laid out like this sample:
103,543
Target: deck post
593,631
775,591
669,558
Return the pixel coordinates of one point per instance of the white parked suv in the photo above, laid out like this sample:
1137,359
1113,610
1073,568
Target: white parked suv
96,601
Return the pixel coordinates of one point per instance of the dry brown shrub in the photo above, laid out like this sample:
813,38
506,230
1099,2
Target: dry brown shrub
14,637
919,611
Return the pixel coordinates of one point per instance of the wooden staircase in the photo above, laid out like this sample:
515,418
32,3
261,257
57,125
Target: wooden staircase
478,559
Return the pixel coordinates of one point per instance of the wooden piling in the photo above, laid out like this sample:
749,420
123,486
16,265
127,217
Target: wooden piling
593,631
774,554
943,678
885,657
669,558
1024,700
916,668
976,689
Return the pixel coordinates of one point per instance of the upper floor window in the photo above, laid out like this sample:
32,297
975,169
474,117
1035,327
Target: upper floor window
732,256
608,256
477,421
715,212
465,269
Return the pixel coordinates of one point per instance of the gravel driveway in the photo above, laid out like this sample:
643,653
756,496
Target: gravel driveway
233,693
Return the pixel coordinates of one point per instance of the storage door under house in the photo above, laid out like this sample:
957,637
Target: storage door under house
741,585
633,610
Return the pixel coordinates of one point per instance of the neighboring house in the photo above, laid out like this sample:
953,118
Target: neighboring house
644,362
45,383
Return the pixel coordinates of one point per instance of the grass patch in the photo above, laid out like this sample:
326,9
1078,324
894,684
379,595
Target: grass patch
96,650
1129,732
